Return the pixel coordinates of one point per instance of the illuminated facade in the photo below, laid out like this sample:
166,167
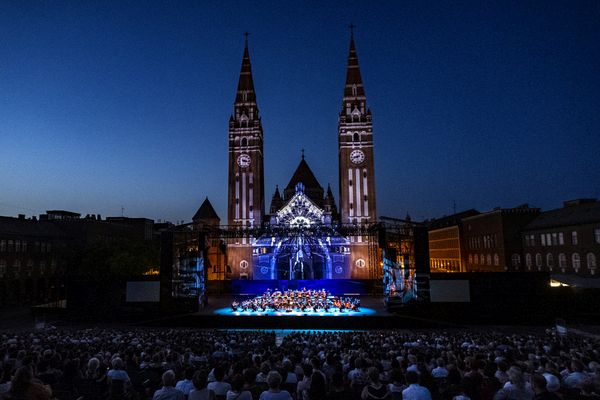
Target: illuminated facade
300,241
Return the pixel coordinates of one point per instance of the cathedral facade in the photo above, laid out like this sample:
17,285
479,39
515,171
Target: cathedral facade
299,236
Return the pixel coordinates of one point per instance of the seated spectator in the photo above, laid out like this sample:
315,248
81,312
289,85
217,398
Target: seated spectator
516,388
540,388
23,386
396,386
168,391
237,391
186,384
338,390
274,392
414,391
375,389
200,391
440,370
219,386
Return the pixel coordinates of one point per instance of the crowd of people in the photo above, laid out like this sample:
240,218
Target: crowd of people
302,300
162,364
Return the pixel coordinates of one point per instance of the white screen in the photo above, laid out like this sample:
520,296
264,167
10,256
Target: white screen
449,291
143,291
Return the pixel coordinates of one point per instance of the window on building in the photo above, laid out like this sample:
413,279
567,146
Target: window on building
470,259
496,260
356,137
562,260
574,237
538,260
549,260
17,266
548,239
561,238
576,261
543,239
17,246
476,259
515,260
591,260
11,246
489,259
555,239
24,246
597,235
2,246
482,259
244,142
528,260
29,266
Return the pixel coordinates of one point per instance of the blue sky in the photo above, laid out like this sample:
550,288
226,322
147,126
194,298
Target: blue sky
106,105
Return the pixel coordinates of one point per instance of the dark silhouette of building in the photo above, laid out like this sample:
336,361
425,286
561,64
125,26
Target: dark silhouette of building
565,240
446,243
492,239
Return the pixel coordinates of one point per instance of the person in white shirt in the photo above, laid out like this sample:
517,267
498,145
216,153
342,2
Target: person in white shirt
218,386
414,391
168,391
274,392
186,385
440,371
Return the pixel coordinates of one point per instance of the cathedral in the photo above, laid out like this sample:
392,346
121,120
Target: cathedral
299,237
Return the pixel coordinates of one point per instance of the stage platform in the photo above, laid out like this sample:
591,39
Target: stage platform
373,315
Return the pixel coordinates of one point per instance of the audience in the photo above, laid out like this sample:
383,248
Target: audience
144,364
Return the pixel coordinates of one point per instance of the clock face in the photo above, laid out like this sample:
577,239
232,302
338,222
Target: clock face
243,160
357,156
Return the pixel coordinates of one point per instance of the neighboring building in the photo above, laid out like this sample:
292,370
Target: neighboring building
303,194
446,245
565,240
33,261
492,240
37,254
143,228
206,220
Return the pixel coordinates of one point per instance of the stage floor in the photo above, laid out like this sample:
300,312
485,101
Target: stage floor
370,306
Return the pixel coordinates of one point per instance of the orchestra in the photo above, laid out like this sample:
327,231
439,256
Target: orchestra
297,300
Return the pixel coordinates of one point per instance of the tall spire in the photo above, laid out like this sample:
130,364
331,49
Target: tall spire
354,86
245,90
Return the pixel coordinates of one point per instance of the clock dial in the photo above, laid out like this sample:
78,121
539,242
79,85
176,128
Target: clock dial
357,156
244,160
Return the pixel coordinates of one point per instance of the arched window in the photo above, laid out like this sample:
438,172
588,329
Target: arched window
574,237
489,259
470,259
356,137
476,259
591,260
576,261
516,260
562,261
482,259
497,260
549,260
244,142
528,260
538,260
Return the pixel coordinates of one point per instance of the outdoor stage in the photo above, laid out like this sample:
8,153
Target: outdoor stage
217,314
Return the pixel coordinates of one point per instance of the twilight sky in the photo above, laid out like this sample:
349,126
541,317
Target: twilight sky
117,104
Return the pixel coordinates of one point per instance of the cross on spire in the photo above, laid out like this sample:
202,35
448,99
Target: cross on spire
351,26
246,34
